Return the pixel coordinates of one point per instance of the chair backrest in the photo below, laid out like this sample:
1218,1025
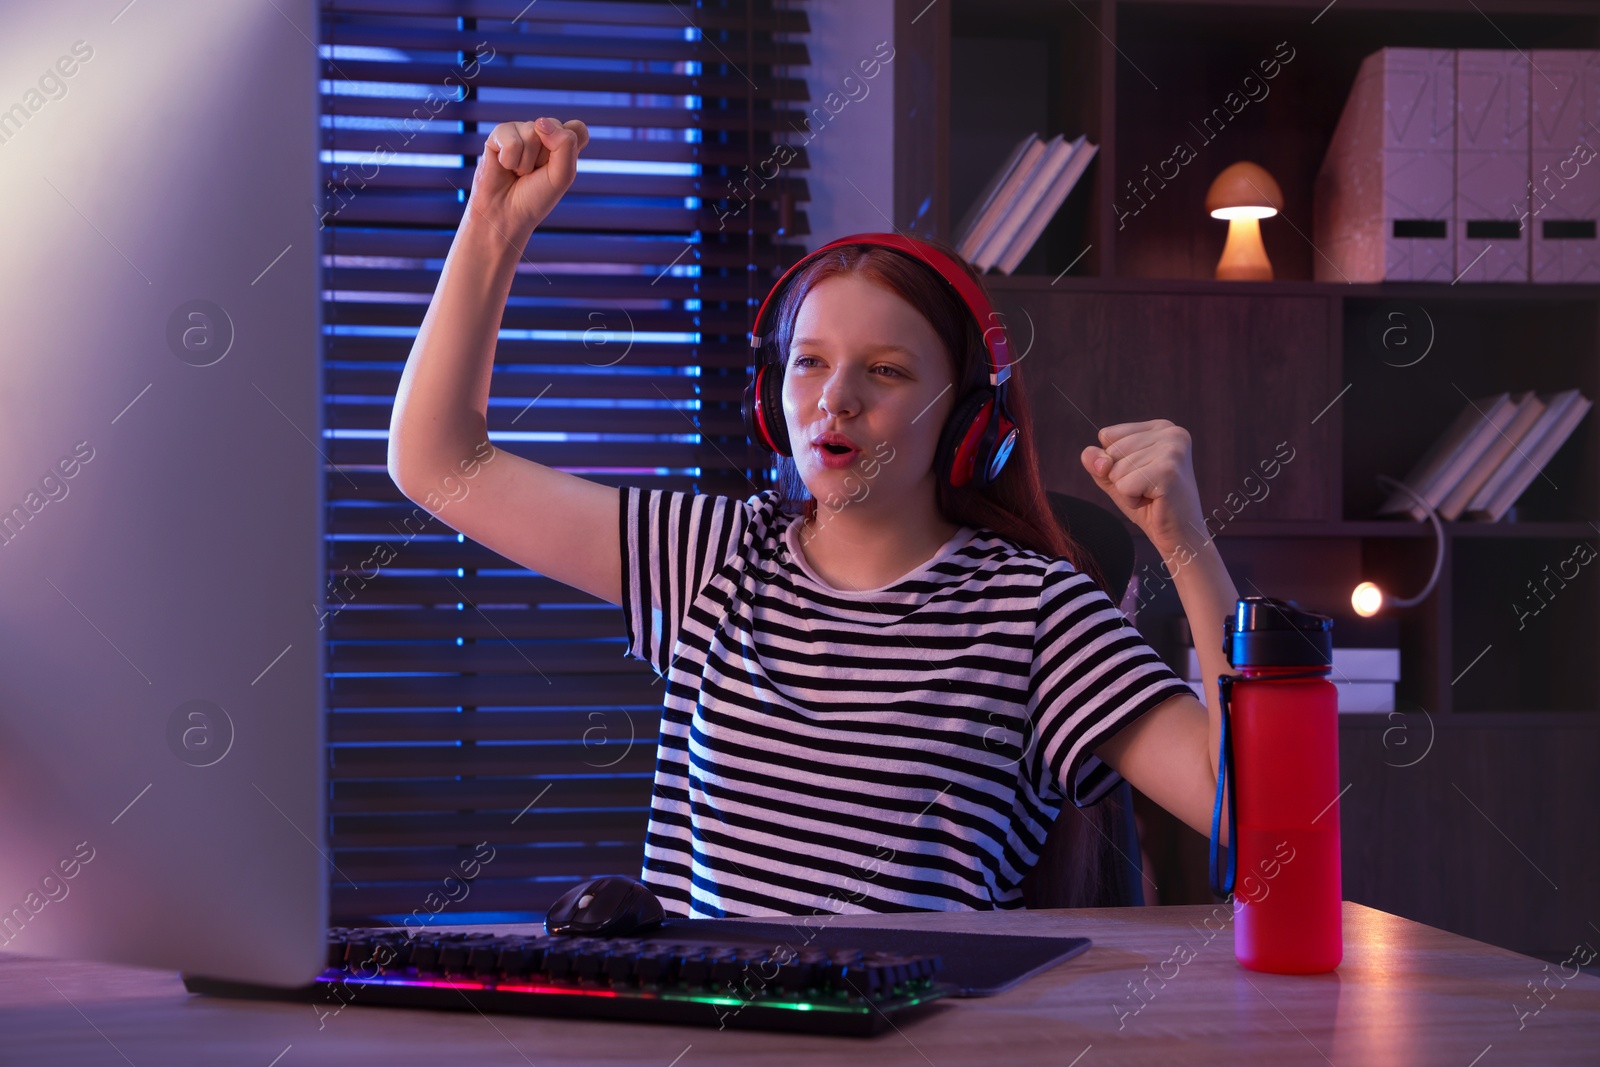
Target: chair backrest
1103,536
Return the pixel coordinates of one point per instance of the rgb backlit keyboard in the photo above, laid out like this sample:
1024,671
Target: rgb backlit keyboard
724,984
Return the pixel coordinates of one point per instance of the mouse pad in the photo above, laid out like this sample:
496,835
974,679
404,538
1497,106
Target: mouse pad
979,965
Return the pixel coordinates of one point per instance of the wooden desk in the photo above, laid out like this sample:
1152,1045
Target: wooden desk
1405,994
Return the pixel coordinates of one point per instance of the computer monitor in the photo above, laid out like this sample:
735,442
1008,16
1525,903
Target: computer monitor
161,466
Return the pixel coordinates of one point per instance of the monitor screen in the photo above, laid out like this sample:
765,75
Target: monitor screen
161,461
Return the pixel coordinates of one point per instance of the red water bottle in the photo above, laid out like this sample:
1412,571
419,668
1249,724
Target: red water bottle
1280,752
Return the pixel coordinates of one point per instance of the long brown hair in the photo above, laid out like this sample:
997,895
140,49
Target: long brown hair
1014,506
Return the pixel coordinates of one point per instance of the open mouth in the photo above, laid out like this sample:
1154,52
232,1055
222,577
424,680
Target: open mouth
838,450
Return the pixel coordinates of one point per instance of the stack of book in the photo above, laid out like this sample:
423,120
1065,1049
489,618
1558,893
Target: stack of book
1364,677
1021,198
1492,452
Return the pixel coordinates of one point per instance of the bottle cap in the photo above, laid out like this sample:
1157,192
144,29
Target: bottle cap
1264,631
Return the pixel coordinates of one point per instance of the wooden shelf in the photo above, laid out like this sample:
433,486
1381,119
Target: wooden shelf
1378,528
1118,318
1500,292
1481,720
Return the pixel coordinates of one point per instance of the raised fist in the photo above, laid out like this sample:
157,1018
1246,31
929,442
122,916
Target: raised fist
524,170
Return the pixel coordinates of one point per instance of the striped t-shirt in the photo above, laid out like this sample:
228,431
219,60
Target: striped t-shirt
891,749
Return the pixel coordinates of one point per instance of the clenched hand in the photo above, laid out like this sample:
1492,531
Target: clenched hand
525,169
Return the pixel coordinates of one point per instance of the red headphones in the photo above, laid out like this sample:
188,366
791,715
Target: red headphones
975,442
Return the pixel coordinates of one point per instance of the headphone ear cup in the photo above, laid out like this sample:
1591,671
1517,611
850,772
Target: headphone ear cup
772,399
957,459
749,405
763,410
748,410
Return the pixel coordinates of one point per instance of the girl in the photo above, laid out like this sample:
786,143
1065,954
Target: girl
877,705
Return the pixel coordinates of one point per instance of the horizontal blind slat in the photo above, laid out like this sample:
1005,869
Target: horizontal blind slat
613,455
487,41
764,17
553,419
779,117
543,247
427,591
383,313
492,794
632,687
432,762
426,901
554,79
511,383
508,861
371,505
538,826
497,657
590,729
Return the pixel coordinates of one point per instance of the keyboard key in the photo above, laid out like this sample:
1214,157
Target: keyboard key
516,960
838,972
797,974
483,960
425,955
694,969
558,960
356,949
399,957
453,957
656,968
590,962
731,970
618,967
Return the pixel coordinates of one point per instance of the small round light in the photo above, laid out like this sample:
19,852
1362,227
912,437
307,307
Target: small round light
1366,599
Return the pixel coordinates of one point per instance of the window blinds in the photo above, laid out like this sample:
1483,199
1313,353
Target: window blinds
488,743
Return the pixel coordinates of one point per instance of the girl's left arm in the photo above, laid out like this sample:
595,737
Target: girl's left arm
1170,752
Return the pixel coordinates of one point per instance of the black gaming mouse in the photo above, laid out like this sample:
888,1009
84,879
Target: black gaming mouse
612,905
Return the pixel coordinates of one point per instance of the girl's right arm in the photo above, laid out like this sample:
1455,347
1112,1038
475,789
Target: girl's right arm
440,456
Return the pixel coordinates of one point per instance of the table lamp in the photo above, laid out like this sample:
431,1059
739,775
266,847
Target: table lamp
1244,194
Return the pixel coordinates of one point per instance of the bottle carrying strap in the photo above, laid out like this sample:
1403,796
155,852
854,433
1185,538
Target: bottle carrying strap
1225,773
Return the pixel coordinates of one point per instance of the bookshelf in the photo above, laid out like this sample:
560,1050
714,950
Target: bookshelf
1121,320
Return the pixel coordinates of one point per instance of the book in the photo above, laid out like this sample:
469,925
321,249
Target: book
1056,152
1049,204
1563,411
986,196
1495,413
1003,187
1349,665
1525,412
1451,454
1555,405
1006,198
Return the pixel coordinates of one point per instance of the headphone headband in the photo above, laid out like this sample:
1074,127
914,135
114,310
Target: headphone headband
995,342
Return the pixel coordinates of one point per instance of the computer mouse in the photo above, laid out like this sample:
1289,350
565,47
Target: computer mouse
612,905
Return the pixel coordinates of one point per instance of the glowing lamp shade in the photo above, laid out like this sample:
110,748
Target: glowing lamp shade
1367,599
1244,194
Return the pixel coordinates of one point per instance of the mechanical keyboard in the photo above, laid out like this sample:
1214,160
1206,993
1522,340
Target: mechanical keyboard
746,985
